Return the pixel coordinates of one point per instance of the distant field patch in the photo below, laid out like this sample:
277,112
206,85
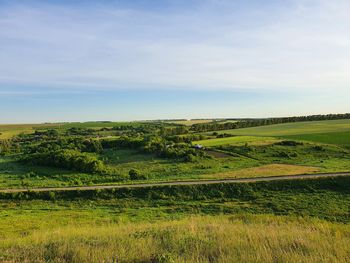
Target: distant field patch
295,128
338,138
9,130
266,170
237,140
190,122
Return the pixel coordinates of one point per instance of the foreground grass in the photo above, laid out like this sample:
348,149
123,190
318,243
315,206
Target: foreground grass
203,223
242,238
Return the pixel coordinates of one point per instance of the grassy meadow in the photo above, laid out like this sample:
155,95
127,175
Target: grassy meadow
237,140
193,239
181,223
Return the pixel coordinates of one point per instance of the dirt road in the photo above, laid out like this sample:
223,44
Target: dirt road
197,182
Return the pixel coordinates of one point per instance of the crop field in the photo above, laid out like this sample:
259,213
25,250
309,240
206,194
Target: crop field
190,122
295,128
338,138
9,130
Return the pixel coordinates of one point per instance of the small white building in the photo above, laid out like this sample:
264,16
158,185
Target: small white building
198,146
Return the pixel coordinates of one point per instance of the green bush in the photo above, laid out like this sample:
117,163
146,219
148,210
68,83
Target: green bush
135,175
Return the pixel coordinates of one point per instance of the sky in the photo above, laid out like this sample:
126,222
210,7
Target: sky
160,59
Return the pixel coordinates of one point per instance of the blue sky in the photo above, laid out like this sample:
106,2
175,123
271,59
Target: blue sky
130,60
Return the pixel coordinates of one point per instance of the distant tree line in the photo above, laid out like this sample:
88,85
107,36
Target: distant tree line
216,126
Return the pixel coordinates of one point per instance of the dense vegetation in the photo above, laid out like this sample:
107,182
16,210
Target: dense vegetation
86,155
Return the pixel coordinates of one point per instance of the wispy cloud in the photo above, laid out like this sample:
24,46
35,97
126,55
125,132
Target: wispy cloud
296,44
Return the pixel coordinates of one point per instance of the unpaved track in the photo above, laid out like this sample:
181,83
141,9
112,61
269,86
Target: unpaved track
198,182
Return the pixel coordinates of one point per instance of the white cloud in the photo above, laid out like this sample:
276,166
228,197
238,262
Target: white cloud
216,45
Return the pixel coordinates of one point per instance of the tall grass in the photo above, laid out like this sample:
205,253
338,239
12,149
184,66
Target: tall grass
241,238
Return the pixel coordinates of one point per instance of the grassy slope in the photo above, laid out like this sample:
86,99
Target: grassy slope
294,128
90,225
338,138
237,140
265,170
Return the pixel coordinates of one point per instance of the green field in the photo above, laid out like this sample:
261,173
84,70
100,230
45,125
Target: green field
295,128
338,138
304,220
9,130
190,122
237,140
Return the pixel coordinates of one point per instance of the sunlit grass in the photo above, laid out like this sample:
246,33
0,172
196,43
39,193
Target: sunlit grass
266,170
238,140
242,238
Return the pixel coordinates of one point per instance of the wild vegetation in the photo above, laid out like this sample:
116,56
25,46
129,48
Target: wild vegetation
176,223
180,223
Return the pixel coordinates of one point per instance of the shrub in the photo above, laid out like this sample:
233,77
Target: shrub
135,175
289,143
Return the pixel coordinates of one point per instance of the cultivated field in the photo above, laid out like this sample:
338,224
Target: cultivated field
190,122
294,128
338,138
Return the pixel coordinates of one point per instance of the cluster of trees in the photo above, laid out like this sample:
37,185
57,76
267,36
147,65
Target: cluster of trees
124,141
171,131
216,126
79,131
155,145
51,133
68,159
76,143
163,148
